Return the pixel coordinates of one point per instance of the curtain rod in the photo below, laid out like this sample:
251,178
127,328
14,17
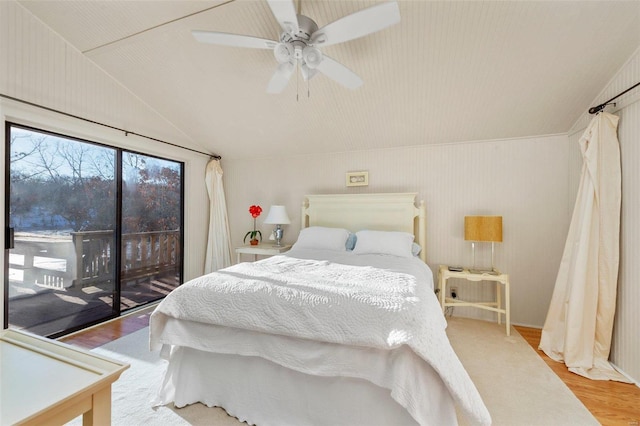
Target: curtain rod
126,132
597,109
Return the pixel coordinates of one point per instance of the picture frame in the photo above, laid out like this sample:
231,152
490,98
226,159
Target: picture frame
357,178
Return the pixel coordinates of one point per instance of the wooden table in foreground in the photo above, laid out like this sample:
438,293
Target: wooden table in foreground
47,382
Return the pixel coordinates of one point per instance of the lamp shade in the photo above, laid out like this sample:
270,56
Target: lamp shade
483,228
277,216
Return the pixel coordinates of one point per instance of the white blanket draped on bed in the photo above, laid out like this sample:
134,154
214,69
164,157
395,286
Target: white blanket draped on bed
330,302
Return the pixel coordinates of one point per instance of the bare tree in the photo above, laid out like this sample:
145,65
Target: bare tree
67,177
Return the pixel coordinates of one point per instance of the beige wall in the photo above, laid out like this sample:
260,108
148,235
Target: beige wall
523,180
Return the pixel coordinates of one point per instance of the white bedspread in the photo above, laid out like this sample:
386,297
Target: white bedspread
330,302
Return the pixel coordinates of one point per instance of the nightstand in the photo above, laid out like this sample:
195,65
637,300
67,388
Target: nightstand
499,278
261,249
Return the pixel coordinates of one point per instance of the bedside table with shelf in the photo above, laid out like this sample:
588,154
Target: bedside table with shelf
499,278
261,249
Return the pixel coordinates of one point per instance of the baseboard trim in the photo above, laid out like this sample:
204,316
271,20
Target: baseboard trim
619,370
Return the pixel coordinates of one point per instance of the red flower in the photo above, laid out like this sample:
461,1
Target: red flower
255,211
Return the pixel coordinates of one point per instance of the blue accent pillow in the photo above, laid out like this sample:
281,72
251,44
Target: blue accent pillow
351,241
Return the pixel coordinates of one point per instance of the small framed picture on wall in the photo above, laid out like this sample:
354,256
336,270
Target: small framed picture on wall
357,178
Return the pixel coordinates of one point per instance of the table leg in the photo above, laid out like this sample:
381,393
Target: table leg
443,289
100,413
507,308
499,301
238,258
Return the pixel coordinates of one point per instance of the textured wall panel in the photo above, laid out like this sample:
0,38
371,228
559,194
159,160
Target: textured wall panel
523,180
626,341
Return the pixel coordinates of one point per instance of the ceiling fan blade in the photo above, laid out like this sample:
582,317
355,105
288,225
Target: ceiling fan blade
235,40
285,13
358,24
280,78
307,73
338,72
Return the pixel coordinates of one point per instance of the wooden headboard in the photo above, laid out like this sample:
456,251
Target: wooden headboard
380,212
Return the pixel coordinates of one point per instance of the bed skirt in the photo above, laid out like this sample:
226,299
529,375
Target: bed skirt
259,391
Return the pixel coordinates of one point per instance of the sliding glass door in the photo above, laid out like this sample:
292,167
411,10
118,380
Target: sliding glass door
91,231
151,218
62,221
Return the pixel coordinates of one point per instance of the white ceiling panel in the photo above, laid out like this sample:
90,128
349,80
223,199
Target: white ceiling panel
450,71
91,24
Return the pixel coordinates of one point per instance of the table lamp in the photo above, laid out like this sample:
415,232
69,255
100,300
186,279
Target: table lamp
483,229
277,216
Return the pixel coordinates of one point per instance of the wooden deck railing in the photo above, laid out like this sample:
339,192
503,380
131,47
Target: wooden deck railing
87,259
150,253
93,257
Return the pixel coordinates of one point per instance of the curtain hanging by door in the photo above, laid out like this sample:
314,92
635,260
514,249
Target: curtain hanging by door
218,242
579,322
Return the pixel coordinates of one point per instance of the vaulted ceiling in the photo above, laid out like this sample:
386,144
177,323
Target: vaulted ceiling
449,71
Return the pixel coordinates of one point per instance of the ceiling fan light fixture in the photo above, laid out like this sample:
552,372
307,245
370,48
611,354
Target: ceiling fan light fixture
283,52
312,57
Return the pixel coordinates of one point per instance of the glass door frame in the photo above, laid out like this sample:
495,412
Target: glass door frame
8,233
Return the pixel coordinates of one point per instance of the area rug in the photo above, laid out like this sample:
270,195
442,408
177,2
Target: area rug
515,383
137,386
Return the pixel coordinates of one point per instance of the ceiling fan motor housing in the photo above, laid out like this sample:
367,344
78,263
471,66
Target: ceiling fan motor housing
306,27
297,46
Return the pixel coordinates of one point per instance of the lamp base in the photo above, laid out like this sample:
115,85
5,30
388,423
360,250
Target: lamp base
278,233
475,270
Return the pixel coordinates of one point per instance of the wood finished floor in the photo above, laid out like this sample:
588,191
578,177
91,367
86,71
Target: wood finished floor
612,403
101,334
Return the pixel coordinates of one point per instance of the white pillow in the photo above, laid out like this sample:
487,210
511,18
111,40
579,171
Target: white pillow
319,237
384,242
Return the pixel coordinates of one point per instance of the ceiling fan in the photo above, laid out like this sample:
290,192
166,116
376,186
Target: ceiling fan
301,38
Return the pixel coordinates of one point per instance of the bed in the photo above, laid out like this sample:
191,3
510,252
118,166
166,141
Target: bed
340,330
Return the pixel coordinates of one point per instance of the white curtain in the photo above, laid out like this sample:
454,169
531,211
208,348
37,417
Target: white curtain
579,323
218,242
